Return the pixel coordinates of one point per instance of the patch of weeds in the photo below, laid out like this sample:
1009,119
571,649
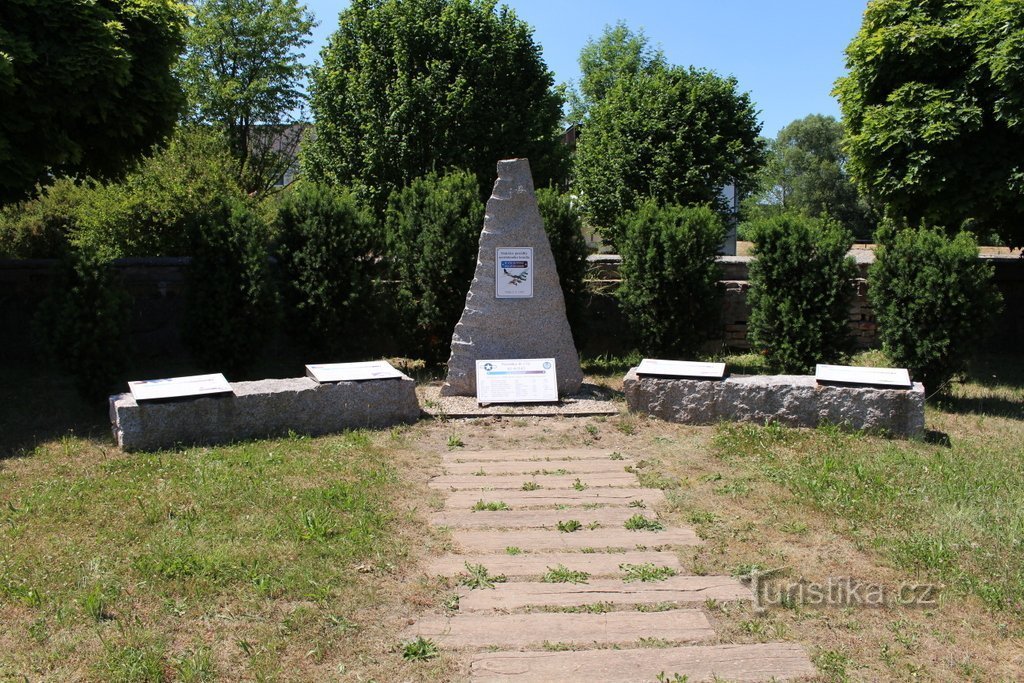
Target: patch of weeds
702,517
794,528
451,603
455,441
617,456
419,650
195,666
747,568
592,431
832,665
645,572
490,506
570,525
579,485
135,661
594,526
316,526
478,577
637,504
739,487
592,608
38,631
656,607
556,647
530,486
96,605
588,550
653,643
674,678
627,428
562,574
650,479
707,478
514,550
640,523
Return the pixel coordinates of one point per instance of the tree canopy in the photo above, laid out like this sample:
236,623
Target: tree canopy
934,108
242,70
806,172
412,86
678,135
85,86
618,53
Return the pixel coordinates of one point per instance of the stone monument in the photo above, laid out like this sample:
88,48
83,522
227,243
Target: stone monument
516,311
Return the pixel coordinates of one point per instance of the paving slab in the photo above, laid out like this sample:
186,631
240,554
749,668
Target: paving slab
735,663
464,500
521,519
543,540
536,564
523,630
459,482
520,467
679,590
528,454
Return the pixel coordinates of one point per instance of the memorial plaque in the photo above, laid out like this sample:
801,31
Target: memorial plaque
681,368
179,387
526,380
869,377
352,372
513,272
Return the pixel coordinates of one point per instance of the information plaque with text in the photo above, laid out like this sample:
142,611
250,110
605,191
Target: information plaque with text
513,272
681,368
527,380
352,372
898,378
179,387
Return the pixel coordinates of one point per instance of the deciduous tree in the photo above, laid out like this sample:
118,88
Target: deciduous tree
934,108
413,86
243,70
85,86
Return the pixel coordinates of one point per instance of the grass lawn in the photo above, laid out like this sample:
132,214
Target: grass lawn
299,558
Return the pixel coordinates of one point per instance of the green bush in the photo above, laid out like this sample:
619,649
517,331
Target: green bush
82,325
934,300
157,209
800,291
232,302
670,277
328,247
40,227
432,227
564,228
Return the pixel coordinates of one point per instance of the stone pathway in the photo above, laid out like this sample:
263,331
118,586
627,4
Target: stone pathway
525,629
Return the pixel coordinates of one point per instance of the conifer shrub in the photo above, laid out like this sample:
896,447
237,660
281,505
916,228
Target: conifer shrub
433,228
564,228
328,248
801,286
82,325
934,301
670,288
231,306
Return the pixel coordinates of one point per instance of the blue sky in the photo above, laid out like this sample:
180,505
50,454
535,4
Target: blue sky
785,53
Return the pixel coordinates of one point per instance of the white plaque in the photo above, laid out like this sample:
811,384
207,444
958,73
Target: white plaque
179,387
513,272
681,368
527,380
352,372
846,374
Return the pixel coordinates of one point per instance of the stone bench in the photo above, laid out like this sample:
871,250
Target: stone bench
270,407
791,400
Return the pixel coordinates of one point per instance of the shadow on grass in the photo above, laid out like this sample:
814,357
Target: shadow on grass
994,386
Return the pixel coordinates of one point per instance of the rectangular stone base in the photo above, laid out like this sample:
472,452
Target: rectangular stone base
265,408
791,400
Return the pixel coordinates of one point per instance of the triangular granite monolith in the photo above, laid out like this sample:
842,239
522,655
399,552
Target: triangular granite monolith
501,328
